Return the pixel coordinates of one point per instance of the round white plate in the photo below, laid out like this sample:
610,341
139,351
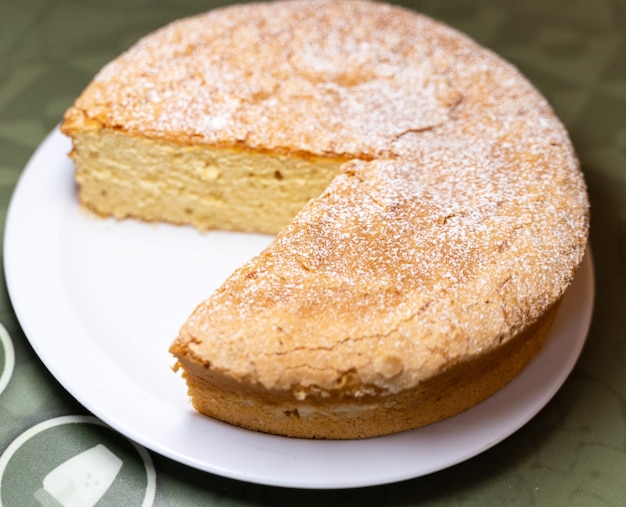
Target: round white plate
101,300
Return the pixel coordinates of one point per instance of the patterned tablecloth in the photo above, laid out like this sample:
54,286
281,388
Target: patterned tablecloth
572,453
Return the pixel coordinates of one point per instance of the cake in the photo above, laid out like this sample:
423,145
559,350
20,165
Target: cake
428,207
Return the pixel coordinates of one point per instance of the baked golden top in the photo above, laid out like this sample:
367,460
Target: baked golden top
310,77
461,219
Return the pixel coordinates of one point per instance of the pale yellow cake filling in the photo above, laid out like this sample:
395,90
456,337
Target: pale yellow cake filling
225,188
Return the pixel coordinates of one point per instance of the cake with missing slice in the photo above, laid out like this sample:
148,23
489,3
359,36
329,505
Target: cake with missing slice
429,208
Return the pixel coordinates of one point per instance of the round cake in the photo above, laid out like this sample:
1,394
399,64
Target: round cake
429,208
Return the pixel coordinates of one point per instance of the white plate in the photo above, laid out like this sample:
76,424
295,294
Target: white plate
100,302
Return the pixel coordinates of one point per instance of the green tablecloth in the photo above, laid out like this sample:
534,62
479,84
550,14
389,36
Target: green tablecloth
572,453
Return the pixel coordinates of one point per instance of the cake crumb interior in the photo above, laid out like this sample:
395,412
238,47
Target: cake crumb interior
222,188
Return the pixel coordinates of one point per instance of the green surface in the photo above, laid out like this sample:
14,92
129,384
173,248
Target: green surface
574,452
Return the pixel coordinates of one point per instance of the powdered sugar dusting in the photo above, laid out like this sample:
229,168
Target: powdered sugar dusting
461,218
304,78
448,252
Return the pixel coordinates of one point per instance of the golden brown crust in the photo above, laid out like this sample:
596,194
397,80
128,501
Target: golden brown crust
191,84
457,226
343,415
